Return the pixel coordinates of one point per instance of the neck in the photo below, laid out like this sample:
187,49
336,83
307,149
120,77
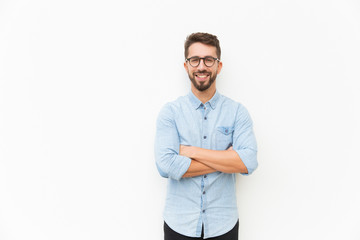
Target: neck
204,96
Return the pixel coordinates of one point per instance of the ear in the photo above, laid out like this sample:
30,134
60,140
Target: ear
219,67
186,67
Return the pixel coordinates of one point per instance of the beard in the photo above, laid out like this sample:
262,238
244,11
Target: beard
202,86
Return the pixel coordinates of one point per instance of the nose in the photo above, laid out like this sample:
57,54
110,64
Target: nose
201,64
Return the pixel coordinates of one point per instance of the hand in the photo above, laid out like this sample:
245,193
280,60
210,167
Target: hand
186,151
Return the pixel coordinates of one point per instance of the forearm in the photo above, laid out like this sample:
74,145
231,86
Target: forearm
197,168
227,161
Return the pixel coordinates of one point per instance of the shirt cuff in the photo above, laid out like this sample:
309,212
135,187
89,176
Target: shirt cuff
248,156
178,170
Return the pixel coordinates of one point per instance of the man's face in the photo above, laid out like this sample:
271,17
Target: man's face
202,77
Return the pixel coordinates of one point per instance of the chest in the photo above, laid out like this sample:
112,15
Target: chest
207,128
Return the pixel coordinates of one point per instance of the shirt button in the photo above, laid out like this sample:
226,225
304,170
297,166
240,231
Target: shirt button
203,192
226,130
203,211
204,137
205,176
205,118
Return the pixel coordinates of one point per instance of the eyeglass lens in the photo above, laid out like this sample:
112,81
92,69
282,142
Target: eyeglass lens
208,61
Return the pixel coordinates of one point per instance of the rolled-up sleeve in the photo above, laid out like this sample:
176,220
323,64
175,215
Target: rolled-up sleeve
244,142
168,161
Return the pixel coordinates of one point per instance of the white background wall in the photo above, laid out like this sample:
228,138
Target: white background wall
82,82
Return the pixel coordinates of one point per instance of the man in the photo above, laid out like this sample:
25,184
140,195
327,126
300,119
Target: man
202,141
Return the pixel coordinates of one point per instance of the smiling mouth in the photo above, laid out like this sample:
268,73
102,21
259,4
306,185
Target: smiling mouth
202,76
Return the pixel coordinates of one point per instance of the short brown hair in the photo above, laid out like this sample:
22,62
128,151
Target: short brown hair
204,38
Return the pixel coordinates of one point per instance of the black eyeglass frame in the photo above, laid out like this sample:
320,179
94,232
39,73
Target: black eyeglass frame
215,59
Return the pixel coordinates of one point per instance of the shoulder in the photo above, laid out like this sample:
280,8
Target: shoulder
170,109
232,104
236,109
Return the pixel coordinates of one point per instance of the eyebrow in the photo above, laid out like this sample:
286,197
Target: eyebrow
204,57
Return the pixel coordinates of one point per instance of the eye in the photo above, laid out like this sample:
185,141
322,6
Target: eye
209,60
194,60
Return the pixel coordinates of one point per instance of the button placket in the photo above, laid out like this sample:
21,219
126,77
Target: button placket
205,144
202,196
203,193
205,136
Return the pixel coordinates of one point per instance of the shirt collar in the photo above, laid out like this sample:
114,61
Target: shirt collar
196,103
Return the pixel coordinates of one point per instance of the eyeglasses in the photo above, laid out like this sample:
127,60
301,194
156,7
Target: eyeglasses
208,61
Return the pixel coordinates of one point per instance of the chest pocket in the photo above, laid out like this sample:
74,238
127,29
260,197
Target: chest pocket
223,137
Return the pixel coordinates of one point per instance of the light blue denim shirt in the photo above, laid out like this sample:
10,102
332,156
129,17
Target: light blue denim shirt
208,200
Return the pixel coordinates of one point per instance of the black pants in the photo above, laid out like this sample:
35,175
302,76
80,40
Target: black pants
170,234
